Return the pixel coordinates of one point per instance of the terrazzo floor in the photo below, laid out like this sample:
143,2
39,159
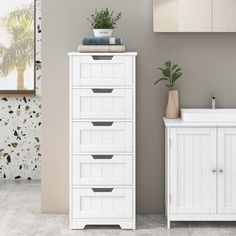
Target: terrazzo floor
20,215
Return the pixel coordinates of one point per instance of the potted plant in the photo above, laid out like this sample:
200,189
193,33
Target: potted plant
171,73
103,22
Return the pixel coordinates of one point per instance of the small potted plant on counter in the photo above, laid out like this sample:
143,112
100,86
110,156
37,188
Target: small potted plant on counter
103,22
171,73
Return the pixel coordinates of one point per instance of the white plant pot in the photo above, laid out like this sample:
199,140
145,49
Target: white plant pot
102,32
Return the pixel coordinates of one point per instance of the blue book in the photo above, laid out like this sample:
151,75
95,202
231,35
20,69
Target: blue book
102,41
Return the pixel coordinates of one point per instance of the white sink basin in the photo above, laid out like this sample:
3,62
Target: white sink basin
209,115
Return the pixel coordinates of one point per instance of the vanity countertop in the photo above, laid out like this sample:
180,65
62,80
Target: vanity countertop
179,123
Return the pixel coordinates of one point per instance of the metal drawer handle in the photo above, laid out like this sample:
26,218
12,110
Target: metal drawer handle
102,57
102,190
102,123
102,157
102,90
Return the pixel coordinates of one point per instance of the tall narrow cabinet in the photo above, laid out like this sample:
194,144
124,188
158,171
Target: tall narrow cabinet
102,139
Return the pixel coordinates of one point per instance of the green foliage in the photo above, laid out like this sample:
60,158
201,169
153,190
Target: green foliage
171,73
20,52
104,19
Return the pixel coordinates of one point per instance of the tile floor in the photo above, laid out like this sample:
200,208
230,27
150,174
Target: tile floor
20,216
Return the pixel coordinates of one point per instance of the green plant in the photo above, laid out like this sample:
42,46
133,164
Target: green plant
20,53
104,19
171,73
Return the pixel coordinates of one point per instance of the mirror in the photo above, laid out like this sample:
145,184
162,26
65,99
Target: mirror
194,15
17,47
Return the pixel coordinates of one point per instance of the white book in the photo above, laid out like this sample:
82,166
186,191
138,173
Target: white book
101,48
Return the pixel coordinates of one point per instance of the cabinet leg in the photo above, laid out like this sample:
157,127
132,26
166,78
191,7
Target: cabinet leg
127,226
79,226
168,224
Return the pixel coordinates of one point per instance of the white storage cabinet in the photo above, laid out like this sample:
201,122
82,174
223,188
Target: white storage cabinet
102,139
200,171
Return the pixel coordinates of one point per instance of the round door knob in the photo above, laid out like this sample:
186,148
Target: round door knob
214,171
221,171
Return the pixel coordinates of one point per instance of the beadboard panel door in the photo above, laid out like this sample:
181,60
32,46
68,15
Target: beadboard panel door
102,203
102,170
192,170
227,170
102,70
102,103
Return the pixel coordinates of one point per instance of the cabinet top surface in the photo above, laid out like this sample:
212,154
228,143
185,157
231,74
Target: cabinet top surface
102,54
171,123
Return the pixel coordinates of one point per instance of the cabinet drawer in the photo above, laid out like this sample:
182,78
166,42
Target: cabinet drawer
102,170
102,137
102,70
102,203
102,103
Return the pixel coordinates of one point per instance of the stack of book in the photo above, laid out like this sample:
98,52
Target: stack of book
101,44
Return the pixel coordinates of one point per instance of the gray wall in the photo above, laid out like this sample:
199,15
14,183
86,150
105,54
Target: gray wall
208,61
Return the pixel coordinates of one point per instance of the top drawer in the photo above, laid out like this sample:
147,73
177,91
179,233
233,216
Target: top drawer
102,70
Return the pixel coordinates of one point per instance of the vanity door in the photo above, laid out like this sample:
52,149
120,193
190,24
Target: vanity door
193,164
227,170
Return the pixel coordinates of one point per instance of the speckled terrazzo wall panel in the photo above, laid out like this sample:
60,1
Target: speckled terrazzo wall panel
20,126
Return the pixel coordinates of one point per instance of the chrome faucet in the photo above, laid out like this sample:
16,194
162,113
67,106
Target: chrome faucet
213,101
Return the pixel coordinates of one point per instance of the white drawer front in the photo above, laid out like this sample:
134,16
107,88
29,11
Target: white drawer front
102,137
102,170
102,103
102,70
97,203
